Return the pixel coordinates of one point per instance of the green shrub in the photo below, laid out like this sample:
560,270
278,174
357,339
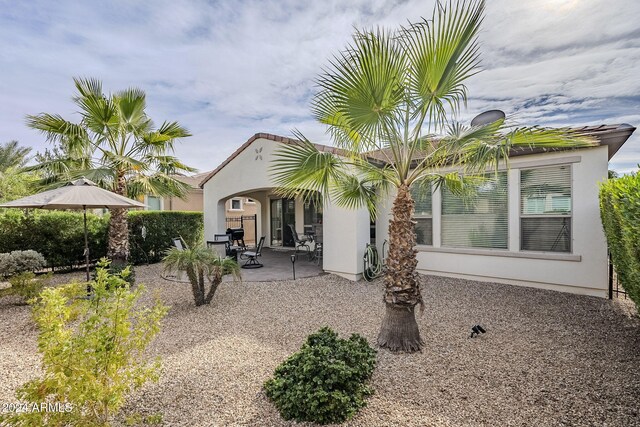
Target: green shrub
8,265
324,382
57,235
160,228
28,261
620,213
93,352
20,261
26,285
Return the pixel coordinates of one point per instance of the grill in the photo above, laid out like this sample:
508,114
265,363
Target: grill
237,235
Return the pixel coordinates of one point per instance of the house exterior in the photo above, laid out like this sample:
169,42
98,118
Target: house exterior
535,224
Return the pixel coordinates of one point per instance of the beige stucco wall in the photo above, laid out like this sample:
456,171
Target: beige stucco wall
193,202
584,271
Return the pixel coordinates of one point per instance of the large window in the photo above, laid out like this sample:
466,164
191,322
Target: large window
545,209
479,220
423,216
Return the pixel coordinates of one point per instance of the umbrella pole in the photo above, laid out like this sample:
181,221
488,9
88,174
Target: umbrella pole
86,242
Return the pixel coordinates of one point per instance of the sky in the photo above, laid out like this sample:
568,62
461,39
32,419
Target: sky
229,69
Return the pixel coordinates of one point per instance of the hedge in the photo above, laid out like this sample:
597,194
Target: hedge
59,235
620,213
161,227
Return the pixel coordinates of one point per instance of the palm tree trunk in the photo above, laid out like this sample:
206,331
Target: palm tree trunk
196,286
118,249
399,330
216,279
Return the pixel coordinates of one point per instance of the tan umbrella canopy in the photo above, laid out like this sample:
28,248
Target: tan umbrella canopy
78,194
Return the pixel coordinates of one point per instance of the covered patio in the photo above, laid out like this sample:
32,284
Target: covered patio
277,265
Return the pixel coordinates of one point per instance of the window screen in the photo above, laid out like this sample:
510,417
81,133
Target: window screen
480,220
423,216
545,209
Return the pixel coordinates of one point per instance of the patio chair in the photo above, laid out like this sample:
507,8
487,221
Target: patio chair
179,243
300,243
252,256
220,247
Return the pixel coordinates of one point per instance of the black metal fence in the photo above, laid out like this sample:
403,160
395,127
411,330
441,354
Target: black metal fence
615,289
247,222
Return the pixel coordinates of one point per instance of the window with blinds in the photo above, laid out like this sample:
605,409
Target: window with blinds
479,220
545,209
423,215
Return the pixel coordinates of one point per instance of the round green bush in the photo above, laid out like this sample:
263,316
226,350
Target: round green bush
324,382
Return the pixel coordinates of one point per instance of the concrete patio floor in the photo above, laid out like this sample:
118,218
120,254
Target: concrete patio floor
277,266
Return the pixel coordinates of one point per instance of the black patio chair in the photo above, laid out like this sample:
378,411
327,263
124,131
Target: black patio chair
300,243
252,256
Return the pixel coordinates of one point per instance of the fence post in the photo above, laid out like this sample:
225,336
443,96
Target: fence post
255,228
610,275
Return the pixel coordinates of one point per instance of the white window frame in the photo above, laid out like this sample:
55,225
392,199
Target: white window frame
426,216
239,200
472,249
568,215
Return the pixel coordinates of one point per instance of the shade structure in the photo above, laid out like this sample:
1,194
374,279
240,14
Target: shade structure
79,194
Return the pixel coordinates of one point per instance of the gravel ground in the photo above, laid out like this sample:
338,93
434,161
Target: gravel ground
547,358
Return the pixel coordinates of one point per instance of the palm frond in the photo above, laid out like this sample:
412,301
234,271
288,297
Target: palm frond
443,53
303,168
352,192
88,86
159,184
12,155
56,128
362,91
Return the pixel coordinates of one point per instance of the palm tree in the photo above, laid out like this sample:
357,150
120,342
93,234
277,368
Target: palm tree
200,262
13,156
390,95
115,145
14,182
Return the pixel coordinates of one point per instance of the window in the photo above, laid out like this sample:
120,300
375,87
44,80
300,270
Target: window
312,215
545,209
236,205
479,220
250,201
153,203
423,216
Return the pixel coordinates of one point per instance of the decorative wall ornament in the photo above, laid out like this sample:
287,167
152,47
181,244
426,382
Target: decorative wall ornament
259,153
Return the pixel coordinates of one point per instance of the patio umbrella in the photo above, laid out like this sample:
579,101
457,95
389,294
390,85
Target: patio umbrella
79,194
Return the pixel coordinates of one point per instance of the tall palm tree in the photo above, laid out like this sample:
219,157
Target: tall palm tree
12,155
115,145
390,95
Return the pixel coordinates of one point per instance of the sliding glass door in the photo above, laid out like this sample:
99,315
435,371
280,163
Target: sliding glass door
283,213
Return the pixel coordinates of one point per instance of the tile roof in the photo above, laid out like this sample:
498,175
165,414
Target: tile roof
614,136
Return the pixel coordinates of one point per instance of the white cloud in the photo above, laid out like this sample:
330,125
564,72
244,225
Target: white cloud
229,69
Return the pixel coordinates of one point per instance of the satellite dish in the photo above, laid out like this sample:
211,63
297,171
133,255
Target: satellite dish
488,117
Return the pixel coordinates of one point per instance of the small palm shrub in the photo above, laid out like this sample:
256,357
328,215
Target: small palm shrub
18,262
201,264
93,352
324,382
